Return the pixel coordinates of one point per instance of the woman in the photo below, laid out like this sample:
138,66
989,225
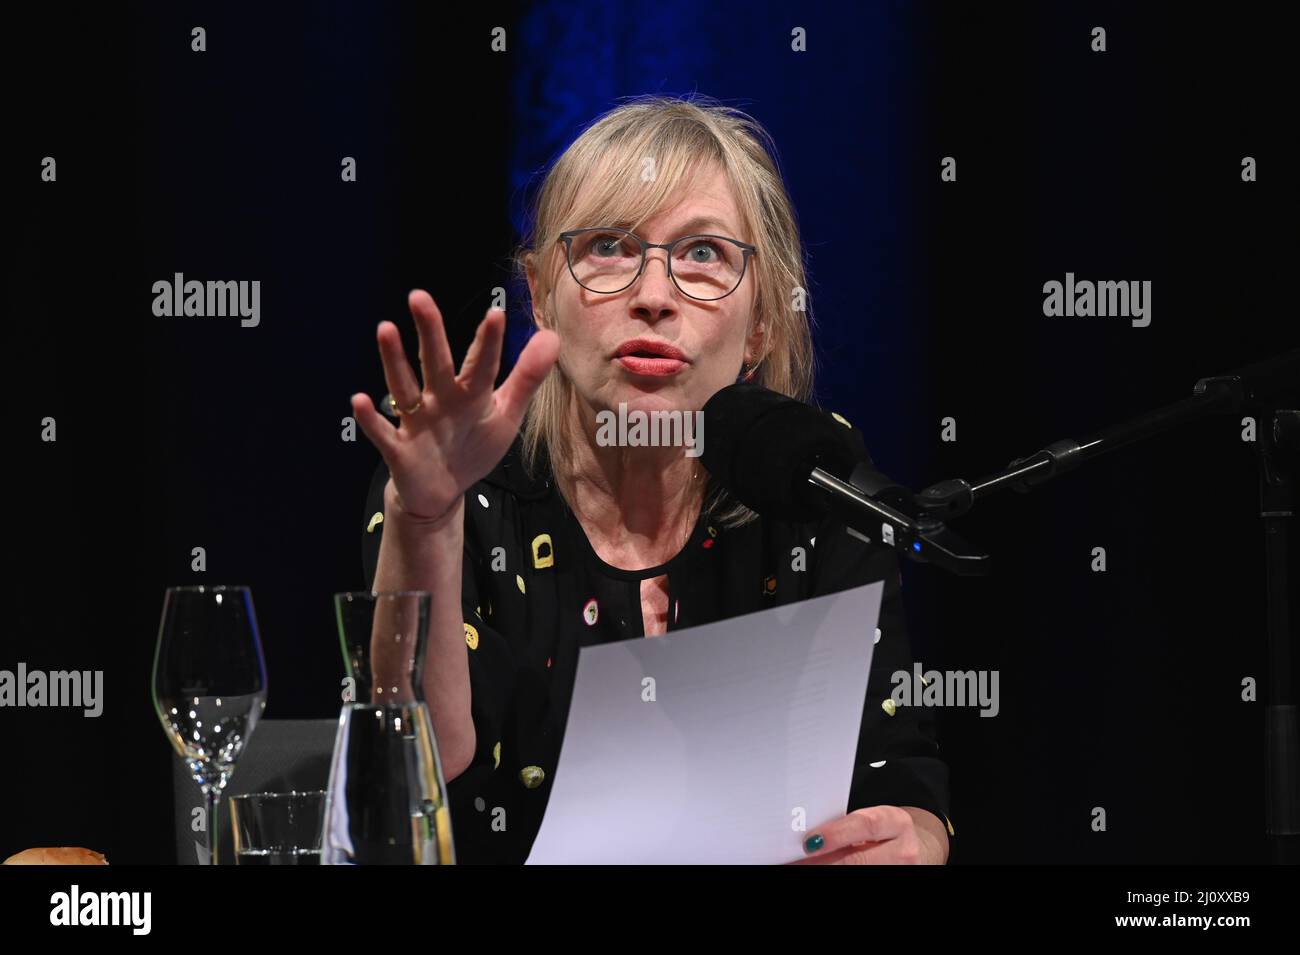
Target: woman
538,541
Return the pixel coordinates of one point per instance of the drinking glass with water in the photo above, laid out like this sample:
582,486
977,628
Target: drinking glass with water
278,828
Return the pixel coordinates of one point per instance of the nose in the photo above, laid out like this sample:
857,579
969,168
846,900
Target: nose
654,296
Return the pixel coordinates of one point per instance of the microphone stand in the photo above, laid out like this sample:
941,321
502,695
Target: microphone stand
1268,390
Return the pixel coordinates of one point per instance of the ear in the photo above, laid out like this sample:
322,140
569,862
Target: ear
530,271
754,344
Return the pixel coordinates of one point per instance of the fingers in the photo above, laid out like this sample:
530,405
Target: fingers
397,370
435,354
483,360
893,852
872,824
841,856
535,361
874,835
374,425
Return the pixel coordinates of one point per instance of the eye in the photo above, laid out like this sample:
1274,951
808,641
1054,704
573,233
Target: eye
702,252
605,245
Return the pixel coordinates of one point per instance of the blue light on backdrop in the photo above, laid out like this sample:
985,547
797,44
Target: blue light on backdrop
836,119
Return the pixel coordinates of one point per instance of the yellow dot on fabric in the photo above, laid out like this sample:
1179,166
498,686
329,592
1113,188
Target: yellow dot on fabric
496,755
713,531
478,612
519,582
375,522
889,707
471,636
543,551
769,585
841,419
532,776
951,830
591,612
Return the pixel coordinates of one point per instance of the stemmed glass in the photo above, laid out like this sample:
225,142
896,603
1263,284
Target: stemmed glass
209,685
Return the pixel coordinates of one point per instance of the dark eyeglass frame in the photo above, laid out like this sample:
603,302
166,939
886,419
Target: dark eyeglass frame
746,250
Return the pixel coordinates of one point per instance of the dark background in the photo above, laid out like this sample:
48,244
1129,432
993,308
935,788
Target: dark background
1119,690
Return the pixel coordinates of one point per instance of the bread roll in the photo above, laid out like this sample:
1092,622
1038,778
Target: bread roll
63,855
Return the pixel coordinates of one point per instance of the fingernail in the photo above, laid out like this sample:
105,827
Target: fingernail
813,843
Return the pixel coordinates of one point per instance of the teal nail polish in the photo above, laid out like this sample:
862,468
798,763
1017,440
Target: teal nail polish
813,843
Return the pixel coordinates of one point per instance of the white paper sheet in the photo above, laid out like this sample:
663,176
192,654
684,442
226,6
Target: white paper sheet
753,727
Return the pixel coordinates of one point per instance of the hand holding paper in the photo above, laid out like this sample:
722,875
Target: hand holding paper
725,743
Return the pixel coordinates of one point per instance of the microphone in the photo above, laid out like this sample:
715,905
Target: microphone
762,446
790,461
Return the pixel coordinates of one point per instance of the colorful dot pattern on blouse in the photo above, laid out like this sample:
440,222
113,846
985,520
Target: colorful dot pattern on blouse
553,594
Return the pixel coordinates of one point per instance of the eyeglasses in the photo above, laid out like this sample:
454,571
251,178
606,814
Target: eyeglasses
608,259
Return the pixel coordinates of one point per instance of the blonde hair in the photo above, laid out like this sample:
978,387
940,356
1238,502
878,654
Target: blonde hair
680,136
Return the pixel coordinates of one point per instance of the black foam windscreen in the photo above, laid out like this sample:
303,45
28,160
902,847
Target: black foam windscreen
762,445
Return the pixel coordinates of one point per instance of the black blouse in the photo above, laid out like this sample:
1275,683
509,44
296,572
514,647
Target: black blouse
534,591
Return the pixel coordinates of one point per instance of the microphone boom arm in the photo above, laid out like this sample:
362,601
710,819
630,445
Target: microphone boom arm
924,539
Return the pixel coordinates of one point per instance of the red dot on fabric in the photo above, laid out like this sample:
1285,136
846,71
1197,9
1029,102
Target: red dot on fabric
708,542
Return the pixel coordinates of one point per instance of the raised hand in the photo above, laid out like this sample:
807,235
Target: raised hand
455,428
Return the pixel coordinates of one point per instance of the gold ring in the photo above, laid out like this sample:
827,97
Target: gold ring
392,403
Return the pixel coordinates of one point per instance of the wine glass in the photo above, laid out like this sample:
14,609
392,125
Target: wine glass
209,685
